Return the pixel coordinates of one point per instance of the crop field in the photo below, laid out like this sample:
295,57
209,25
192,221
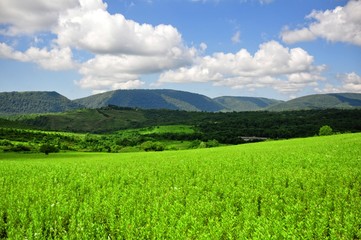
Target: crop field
306,188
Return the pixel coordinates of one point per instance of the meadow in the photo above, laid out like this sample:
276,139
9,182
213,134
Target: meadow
307,188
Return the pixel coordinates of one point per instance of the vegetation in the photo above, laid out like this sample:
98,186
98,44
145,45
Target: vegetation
219,126
48,148
114,129
320,101
241,104
145,139
325,131
17,103
152,99
34,102
301,188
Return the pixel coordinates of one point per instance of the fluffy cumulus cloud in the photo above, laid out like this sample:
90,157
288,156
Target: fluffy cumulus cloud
92,28
273,65
342,24
124,71
28,17
55,59
123,50
349,82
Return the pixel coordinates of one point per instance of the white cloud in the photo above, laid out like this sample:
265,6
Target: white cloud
123,49
96,30
56,59
122,71
236,38
284,69
349,82
301,35
342,24
28,17
203,47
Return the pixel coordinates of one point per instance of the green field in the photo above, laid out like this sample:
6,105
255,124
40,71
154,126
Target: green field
296,189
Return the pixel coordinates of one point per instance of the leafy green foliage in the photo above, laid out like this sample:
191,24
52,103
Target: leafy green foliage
224,127
48,148
152,146
126,127
302,188
325,130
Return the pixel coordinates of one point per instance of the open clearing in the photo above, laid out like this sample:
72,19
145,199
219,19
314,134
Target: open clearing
301,188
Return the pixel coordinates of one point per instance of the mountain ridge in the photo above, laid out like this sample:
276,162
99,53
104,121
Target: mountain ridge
15,103
34,102
320,101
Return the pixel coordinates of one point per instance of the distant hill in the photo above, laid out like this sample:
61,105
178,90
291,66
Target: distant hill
241,104
34,102
320,101
152,99
12,103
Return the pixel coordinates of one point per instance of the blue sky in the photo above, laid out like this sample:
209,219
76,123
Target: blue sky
270,48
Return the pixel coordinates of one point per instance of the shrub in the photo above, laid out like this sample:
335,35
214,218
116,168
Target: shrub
325,130
152,146
18,148
48,148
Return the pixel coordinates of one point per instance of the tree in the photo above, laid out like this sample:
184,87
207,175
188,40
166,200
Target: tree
152,146
325,130
47,148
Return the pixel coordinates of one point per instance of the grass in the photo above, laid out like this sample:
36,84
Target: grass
181,129
302,188
184,129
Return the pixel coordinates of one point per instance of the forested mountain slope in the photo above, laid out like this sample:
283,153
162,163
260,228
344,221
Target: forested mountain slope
241,104
34,102
152,99
321,101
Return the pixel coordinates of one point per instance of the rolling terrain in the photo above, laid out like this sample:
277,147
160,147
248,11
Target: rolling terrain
241,104
34,102
301,188
320,101
17,103
152,99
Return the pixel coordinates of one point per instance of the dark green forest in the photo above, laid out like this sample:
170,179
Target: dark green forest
103,129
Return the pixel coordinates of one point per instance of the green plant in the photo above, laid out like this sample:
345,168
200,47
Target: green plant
325,130
270,190
48,148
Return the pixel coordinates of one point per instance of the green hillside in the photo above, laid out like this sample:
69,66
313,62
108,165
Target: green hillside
17,103
295,189
242,104
320,101
224,127
34,102
152,99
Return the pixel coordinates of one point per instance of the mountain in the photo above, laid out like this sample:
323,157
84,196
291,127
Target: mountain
34,102
152,99
320,101
48,102
241,104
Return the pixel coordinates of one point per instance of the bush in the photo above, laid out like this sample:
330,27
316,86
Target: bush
48,148
325,130
18,148
152,146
